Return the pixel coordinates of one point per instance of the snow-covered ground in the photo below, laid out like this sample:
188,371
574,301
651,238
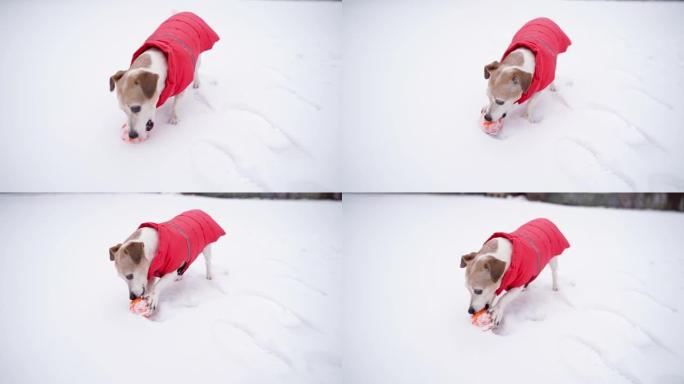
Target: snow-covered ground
617,317
271,315
265,118
413,87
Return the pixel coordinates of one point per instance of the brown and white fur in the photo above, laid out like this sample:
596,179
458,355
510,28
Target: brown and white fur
508,80
484,272
138,90
132,259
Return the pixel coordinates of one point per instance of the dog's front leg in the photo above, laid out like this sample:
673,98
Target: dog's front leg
173,119
498,310
529,109
152,296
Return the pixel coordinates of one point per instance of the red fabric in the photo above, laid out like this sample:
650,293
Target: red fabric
546,40
181,240
534,244
182,37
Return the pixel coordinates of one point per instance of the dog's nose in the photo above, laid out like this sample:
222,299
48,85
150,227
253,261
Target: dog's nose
149,125
132,296
488,117
471,310
132,134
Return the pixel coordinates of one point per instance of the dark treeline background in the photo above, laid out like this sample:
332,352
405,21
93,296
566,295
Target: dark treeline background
658,201
274,196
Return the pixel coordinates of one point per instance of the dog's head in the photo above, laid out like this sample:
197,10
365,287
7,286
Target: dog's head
483,275
131,265
136,90
506,85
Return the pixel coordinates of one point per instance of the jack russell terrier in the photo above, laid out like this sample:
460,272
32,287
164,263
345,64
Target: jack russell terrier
161,68
527,67
510,262
158,253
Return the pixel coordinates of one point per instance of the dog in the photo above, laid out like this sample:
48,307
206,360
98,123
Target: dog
158,253
161,68
510,262
527,67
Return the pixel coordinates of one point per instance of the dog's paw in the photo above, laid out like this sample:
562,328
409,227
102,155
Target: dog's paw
532,118
497,315
173,120
210,276
152,301
179,277
196,84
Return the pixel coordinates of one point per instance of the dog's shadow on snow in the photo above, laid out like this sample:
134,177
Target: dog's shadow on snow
191,291
530,307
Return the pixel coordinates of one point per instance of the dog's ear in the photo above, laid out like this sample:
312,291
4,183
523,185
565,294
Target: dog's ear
148,83
114,78
523,79
134,249
495,267
465,259
491,67
113,250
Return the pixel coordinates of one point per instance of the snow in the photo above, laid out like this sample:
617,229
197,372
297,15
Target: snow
617,317
272,314
413,87
265,118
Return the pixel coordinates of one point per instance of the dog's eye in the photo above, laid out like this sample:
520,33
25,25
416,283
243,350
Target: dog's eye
500,102
135,109
477,291
129,277
504,115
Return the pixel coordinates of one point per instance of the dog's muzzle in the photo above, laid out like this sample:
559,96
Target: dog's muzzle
133,296
471,310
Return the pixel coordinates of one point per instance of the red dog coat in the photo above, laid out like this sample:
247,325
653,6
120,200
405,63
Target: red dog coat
181,240
182,37
534,244
546,40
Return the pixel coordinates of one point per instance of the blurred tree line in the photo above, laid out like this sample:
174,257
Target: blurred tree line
658,201
274,196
